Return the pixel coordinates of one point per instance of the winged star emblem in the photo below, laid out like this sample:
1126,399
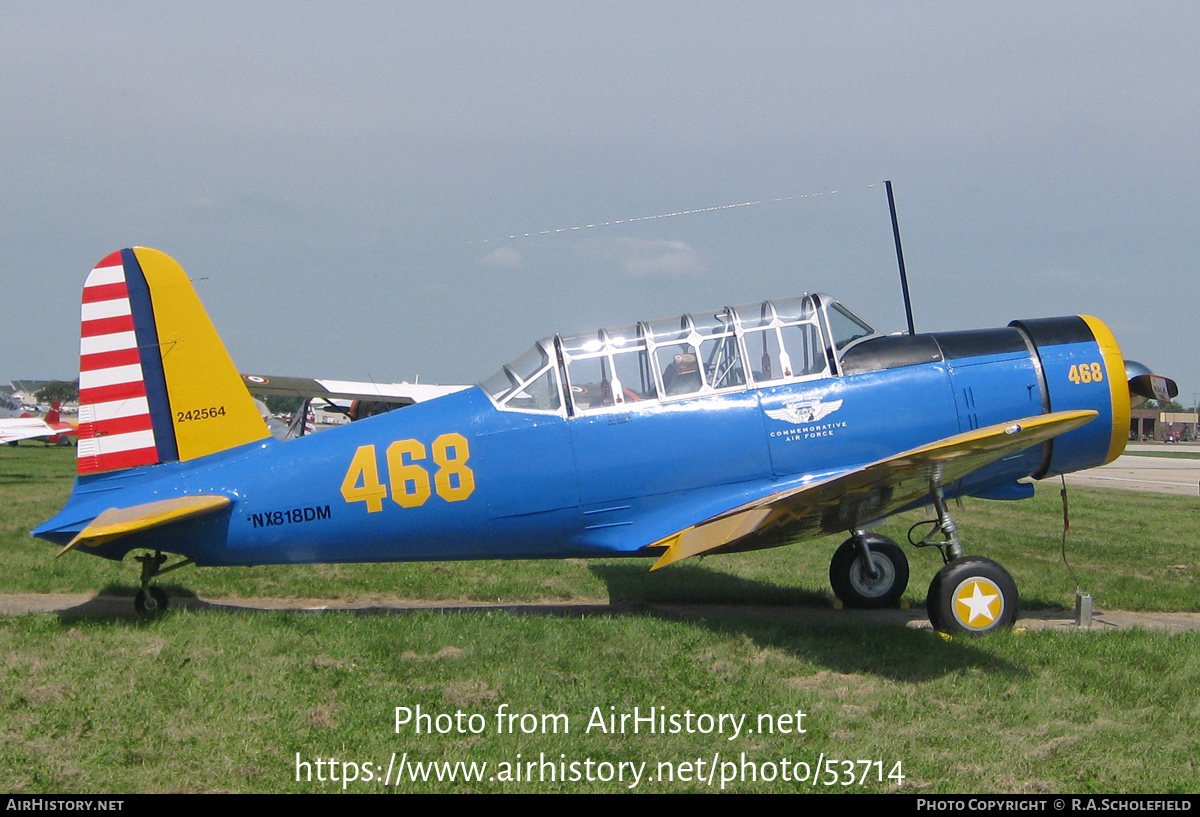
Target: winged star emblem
804,411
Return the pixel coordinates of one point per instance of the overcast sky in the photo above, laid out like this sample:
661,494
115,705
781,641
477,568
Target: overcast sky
341,179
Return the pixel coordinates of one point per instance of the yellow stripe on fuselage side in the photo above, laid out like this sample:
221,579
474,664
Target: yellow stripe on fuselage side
1118,385
210,407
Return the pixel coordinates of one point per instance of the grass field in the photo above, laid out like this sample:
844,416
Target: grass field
233,701
1185,453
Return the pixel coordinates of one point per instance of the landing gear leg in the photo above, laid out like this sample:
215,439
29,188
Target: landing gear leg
968,595
950,546
151,602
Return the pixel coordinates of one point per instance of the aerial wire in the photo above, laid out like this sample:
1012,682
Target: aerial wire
677,214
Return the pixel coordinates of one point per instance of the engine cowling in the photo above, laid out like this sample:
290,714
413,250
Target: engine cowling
1081,367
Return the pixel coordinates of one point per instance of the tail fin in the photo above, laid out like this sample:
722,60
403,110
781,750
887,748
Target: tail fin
155,382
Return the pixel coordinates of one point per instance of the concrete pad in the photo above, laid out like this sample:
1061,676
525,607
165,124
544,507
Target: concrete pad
1130,472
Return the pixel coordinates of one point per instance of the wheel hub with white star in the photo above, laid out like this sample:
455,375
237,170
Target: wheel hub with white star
978,603
972,596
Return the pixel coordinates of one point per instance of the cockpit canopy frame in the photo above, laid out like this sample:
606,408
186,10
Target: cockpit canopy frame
732,349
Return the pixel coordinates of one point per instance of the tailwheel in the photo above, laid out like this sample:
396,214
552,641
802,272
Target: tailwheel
868,572
972,596
151,602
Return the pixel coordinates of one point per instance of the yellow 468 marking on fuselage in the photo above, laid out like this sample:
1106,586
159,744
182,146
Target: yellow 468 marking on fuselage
1086,373
410,486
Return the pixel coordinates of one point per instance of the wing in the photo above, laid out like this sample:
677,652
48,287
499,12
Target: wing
864,494
25,428
401,393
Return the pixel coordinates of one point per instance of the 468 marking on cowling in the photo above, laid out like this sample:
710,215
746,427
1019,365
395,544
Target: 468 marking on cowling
291,516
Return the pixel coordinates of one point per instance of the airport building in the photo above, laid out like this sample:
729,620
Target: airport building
1151,424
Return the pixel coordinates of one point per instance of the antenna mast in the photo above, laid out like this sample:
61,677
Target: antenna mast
900,258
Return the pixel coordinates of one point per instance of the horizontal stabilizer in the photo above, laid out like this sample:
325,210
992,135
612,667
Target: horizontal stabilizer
117,522
852,499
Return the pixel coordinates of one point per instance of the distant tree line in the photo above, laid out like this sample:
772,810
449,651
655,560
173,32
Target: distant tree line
65,391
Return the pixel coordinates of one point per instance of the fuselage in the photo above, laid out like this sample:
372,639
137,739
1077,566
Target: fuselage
467,476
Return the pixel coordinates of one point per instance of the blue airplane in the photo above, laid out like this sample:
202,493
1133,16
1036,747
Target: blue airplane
737,429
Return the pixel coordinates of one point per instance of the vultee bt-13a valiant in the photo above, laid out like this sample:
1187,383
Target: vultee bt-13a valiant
729,430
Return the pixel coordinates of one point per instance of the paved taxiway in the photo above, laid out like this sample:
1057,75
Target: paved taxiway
1163,475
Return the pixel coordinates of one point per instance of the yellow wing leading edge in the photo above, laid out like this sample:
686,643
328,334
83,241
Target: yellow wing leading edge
868,493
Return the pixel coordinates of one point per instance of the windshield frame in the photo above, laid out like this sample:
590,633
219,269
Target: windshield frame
704,344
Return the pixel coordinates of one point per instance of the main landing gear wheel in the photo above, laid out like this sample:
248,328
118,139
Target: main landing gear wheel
860,587
972,596
152,603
